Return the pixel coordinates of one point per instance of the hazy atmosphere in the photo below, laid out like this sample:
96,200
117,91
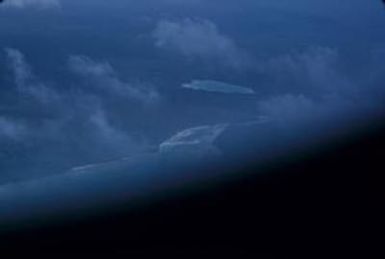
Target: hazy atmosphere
92,81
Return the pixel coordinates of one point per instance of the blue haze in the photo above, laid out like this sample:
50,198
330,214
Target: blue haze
93,81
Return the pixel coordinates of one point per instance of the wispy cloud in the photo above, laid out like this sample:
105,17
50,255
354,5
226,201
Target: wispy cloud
58,127
316,70
197,38
10,129
103,76
25,80
315,90
217,87
193,142
32,3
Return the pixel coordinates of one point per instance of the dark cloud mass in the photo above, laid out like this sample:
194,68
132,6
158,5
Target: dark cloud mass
86,82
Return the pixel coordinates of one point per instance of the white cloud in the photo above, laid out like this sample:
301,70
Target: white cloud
107,134
32,3
10,129
314,90
291,109
200,39
104,77
59,128
193,142
218,87
25,80
314,71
